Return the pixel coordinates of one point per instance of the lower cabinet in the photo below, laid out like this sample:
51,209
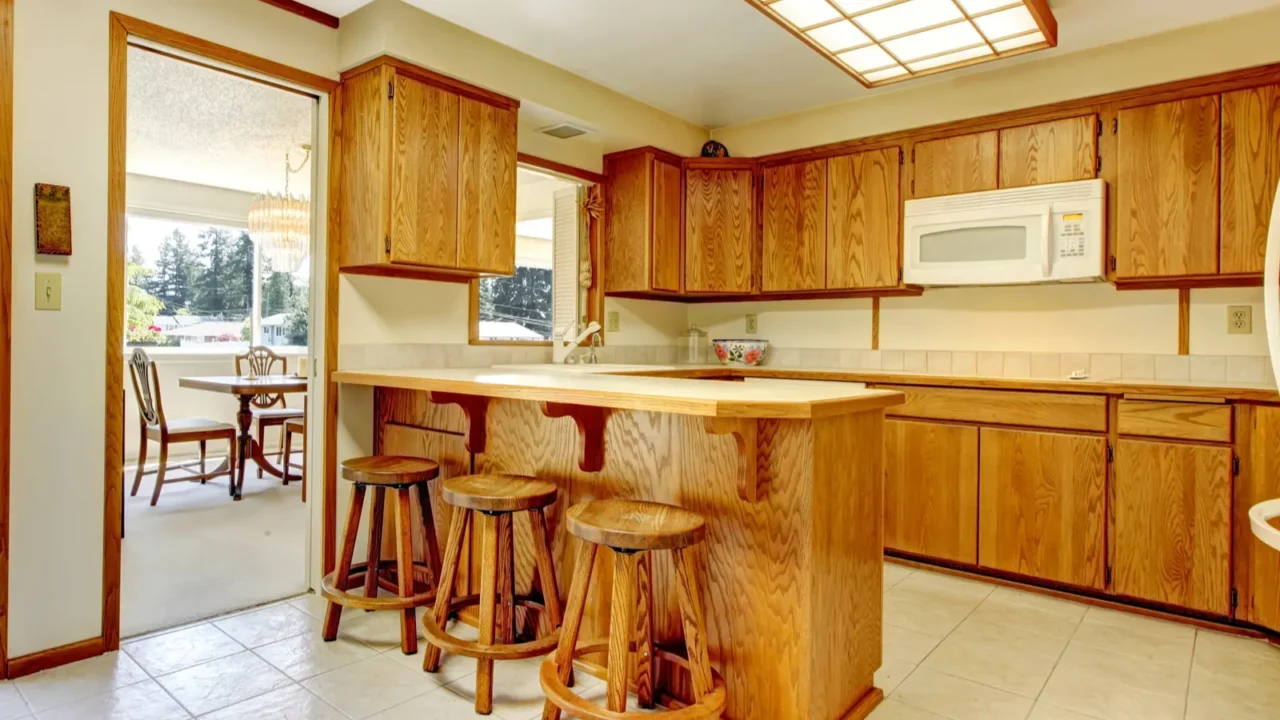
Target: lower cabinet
1172,513
1257,565
1042,505
931,489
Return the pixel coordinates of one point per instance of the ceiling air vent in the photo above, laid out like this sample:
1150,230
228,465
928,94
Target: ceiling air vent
563,131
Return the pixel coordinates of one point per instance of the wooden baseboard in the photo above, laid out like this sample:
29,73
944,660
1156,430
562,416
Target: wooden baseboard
864,706
56,657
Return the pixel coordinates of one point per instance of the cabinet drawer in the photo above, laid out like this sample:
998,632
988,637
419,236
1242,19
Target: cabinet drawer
1180,421
998,407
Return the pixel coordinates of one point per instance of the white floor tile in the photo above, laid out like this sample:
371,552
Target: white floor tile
379,629
517,692
891,709
1007,657
308,655
1115,686
288,703
370,686
1233,677
891,674
12,706
171,652
222,683
439,704
960,699
87,678
907,645
1045,711
932,604
143,701
1031,611
1137,636
894,574
267,625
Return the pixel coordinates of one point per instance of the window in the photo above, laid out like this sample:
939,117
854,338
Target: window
193,285
541,297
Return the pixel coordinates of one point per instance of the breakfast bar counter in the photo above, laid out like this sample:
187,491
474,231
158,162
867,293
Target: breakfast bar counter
787,475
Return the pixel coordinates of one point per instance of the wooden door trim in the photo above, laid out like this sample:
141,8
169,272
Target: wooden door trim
6,309
306,11
121,28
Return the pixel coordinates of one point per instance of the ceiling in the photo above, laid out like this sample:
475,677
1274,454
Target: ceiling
722,62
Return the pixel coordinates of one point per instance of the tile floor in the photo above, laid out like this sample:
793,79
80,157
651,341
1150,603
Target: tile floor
953,648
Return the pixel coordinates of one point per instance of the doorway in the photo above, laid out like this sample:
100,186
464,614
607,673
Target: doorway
219,239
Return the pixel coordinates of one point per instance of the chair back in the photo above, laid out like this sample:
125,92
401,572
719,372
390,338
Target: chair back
263,361
146,388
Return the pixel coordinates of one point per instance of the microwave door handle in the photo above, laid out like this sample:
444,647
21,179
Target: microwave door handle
1046,221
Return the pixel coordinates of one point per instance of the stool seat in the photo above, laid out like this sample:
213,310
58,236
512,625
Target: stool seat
635,524
390,470
498,493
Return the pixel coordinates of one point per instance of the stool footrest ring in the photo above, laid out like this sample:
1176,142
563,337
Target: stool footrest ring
515,651
330,590
710,706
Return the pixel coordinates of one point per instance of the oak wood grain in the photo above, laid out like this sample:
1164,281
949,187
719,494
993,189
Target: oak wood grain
365,188
864,236
668,225
1167,189
622,629
424,184
1042,505
486,187
960,164
1173,524
110,564
628,222
1250,171
931,489
1180,421
1049,152
1256,565
1031,409
719,230
795,227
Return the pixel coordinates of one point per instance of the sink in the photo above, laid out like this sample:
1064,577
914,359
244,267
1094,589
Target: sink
584,368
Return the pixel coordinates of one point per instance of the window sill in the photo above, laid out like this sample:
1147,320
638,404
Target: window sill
176,353
512,343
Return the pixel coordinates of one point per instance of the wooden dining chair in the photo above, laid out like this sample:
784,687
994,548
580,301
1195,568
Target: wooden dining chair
154,426
296,426
268,410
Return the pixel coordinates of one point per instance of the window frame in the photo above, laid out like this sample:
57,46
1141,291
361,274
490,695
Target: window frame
594,183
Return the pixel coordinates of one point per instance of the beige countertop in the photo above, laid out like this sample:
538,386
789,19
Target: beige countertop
607,386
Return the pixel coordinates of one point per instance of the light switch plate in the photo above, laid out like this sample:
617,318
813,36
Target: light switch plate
753,325
1239,319
48,291
612,322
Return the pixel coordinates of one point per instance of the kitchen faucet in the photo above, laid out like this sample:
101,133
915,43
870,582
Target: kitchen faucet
592,332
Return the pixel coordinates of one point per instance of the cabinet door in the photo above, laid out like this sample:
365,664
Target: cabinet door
1257,565
487,187
364,198
1250,171
1041,505
1167,190
864,236
795,226
931,489
424,181
628,224
719,229
1172,512
1049,152
668,222
965,163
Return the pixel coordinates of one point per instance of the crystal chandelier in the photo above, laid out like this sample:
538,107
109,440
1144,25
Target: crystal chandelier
281,224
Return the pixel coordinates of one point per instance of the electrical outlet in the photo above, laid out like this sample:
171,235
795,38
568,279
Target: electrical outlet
1239,319
753,325
48,291
612,322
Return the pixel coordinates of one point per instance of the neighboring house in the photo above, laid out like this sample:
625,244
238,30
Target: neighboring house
273,330
500,330
206,331
171,322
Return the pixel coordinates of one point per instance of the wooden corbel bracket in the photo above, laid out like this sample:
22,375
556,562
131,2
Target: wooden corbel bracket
746,431
591,422
476,408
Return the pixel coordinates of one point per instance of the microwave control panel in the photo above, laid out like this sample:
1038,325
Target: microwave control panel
1070,236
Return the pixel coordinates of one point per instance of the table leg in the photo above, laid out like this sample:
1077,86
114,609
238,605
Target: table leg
245,419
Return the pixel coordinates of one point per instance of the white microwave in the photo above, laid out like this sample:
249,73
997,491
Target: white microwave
1039,234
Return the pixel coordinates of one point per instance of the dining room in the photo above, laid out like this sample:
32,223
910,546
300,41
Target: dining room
218,312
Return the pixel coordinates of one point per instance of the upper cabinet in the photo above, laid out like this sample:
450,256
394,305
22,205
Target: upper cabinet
427,174
864,236
719,226
1049,152
1167,190
795,227
1250,171
643,222
960,164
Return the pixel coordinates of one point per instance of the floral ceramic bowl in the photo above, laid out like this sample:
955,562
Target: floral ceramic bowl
740,353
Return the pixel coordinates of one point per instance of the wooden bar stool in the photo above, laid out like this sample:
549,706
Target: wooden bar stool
397,477
632,528
495,497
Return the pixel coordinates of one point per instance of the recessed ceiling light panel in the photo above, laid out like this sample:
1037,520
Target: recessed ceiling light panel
885,41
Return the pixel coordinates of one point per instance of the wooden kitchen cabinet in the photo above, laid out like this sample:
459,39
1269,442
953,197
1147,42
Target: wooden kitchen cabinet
427,176
719,222
931,489
1049,152
1250,171
864,235
1167,190
795,227
1257,565
1172,519
1041,505
960,164
643,222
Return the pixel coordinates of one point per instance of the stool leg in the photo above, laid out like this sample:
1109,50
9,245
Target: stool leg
621,628
505,617
373,560
333,614
546,568
404,569
448,581
572,621
431,543
646,663
489,552
695,638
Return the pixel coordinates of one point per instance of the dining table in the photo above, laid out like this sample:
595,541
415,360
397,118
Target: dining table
246,388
